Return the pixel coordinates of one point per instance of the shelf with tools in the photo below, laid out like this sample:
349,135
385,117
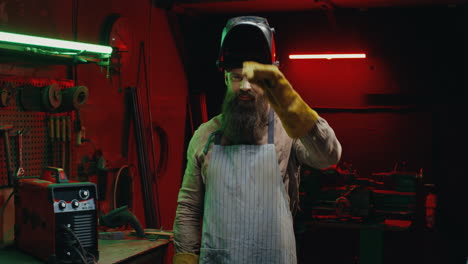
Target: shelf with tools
37,123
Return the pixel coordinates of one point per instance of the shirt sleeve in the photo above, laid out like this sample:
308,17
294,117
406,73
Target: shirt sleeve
319,148
187,224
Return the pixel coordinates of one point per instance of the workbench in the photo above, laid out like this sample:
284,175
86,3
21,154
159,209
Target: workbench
363,243
128,250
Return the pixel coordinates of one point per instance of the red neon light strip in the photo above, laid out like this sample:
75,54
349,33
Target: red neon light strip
328,56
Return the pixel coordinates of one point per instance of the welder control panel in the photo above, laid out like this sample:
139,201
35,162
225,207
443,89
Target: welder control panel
74,199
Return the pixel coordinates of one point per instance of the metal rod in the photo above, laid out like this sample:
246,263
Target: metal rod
149,203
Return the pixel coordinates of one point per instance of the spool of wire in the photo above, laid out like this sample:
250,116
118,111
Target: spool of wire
74,98
42,99
51,97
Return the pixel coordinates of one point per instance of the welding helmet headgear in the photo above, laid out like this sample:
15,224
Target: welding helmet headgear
246,38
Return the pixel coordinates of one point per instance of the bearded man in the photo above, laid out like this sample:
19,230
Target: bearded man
241,182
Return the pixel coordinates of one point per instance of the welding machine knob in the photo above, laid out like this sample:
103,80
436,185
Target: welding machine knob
84,194
75,203
62,205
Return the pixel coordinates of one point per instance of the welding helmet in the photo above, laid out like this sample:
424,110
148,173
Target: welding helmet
246,38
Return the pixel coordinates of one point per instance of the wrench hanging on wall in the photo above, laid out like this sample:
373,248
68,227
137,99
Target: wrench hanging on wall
6,137
20,171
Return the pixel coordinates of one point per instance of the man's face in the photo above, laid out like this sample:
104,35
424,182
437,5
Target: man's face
244,109
245,92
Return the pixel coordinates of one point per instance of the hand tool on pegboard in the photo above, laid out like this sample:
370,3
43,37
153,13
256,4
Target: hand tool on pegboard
63,127
69,146
51,139
5,129
20,170
57,141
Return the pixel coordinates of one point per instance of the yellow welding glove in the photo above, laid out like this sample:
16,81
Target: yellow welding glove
185,258
295,115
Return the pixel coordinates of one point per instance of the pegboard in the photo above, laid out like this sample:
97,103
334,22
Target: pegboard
39,149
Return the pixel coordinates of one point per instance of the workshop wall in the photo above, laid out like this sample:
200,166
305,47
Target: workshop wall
381,107
152,65
158,66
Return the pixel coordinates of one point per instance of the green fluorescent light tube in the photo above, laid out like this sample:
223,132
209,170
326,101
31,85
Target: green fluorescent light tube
53,43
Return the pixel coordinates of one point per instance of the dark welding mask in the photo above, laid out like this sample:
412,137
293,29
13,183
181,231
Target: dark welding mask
246,38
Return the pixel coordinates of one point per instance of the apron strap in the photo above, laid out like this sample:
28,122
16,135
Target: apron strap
271,127
218,135
210,139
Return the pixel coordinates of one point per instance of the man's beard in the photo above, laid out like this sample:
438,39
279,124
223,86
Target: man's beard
244,121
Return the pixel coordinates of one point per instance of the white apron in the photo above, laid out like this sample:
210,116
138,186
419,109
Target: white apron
246,215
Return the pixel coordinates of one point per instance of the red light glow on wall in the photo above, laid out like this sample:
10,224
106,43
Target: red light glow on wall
328,56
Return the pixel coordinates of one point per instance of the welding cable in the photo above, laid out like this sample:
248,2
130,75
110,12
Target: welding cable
66,228
6,202
83,258
116,182
85,140
83,252
114,191
92,255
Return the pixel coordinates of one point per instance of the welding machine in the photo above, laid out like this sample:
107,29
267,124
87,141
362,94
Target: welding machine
56,219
